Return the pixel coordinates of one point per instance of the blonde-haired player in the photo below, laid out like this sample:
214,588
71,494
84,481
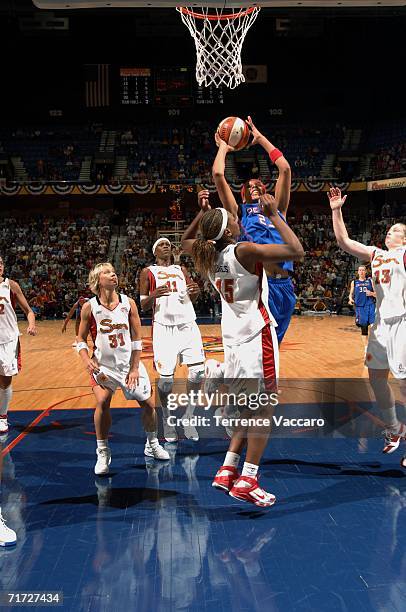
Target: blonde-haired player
10,355
386,350
168,290
113,322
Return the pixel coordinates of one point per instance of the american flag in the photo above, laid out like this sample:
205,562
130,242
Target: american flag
97,85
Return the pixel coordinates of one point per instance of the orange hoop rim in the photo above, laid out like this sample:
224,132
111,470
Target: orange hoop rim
228,16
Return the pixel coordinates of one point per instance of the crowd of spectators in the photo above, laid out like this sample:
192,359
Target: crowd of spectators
51,257
389,161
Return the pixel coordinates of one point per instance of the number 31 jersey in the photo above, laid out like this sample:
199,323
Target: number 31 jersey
244,298
389,278
110,331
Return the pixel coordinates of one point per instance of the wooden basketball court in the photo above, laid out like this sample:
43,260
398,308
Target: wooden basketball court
314,348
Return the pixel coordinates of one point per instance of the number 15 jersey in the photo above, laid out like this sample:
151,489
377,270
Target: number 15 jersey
244,298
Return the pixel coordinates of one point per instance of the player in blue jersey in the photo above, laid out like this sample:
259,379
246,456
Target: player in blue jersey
257,227
363,297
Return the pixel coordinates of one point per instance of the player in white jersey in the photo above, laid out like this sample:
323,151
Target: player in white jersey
386,350
113,322
10,354
170,292
248,328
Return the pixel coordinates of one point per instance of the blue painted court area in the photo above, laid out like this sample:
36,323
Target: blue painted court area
157,536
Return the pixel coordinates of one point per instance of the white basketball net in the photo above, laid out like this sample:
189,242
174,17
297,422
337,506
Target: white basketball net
219,35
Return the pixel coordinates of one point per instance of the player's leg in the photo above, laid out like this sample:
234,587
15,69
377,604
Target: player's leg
192,354
281,302
8,537
102,424
165,360
6,393
142,393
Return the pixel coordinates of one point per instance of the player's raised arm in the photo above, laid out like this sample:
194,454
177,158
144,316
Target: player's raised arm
283,184
218,171
344,241
190,233
22,302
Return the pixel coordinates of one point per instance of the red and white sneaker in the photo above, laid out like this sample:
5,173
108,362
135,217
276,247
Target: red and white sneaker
225,478
3,425
392,439
247,489
403,462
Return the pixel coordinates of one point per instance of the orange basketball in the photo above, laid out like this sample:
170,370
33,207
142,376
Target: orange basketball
234,131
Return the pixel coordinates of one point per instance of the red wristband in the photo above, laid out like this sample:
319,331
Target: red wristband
275,154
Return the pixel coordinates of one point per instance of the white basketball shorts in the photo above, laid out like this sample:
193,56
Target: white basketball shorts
113,379
387,346
10,358
171,341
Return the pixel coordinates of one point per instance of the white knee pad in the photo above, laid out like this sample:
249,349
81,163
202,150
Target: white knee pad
196,374
165,384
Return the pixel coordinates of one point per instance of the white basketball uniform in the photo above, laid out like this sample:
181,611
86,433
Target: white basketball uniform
387,339
175,332
10,355
111,334
247,326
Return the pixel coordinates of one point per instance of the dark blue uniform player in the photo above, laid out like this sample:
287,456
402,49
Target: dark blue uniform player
362,296
257,227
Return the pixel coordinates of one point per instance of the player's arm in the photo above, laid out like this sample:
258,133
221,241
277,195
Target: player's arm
283,184
270,209
370,292
343,240
25,307
69,316
136,345
90,364
193,288
351,294
249,253
190,233
218,171
147,297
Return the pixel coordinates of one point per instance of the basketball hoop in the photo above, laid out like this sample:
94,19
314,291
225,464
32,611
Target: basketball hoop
219,37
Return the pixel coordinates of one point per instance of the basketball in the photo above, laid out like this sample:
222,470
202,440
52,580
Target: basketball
234,131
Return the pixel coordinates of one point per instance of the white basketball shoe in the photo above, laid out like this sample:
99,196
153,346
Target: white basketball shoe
103,461
8,537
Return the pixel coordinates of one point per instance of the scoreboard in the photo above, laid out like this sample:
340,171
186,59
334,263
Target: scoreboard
173,86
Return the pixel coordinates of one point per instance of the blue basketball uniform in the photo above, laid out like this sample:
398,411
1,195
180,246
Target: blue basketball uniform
364,305
256,227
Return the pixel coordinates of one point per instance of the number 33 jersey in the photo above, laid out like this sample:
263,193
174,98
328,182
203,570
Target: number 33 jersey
389,278
110,331
244,298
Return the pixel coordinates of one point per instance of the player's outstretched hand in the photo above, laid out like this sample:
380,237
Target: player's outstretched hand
161,291
256,134
268,204
92,366
132,378
334,196
32,330
222,144
203,200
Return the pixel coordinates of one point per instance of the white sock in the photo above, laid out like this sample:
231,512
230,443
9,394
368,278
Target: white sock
232,459
249,469
391,419
5,399
152,437
102,443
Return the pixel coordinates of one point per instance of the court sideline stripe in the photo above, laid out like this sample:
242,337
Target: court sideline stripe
35,422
